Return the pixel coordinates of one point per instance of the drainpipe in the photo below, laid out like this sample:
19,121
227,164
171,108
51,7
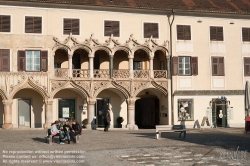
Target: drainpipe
170,22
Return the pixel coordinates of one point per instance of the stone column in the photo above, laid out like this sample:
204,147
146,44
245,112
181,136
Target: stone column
151,67
131,70
48,113
131,114
91,114
110,66
52,68
7,104
70,65
91,65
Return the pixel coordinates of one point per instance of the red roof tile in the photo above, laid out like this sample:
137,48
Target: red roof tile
233,6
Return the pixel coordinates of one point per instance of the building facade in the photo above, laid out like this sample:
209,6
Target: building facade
150,64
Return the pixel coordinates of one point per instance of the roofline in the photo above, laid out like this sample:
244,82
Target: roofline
114,8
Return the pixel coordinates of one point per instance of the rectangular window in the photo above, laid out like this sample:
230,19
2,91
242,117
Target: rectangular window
245,34
4,23
216,33
218,66
32,60
246,66
33,24
185,109
151,29
71,25
112,27
4,60
137,65
183,32
184,66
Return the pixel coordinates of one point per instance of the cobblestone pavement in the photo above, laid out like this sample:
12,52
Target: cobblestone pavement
220,146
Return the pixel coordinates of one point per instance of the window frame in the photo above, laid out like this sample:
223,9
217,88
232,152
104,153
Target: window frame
190,28
217,38
218,67
40,54
112,20
244,66
1,60
190,65
33,33
190,110
242,36
151,22
10,23
72,18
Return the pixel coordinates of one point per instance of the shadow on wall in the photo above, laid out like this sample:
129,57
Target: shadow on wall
1,114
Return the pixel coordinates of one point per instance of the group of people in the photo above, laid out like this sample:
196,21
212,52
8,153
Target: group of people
63,131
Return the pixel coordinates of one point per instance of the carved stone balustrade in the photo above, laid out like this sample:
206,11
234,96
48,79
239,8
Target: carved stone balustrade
160,74
81,73
141,73
102,73
121,73
61,72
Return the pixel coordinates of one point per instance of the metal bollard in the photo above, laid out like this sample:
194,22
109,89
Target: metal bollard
157,135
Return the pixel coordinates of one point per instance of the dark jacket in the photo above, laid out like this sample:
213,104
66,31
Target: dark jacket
77,128
107,118
65,127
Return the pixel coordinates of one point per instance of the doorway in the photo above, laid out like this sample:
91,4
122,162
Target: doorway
147,112
101,107
219,112
24,112
66,109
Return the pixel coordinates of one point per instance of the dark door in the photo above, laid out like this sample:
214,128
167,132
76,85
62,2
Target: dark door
66,109
101,106
24,113
219,113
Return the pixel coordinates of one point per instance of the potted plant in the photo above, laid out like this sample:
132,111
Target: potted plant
119,121
84,123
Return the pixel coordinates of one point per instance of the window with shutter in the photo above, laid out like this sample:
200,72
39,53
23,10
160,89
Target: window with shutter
33,24
151,29
71,25
218,66
216,33
183,32
4,60
246,66
32,60
246,34
184,65
4,23
112,27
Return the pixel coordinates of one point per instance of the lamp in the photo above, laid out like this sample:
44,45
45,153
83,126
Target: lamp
231,22
199,21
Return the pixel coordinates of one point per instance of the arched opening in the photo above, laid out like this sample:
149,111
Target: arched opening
101,64
141,64
61,63
29,108
160,62
151,109
115,101
80,63
69,104
120,65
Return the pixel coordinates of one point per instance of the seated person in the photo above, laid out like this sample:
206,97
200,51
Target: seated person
67,129
76,129
56,132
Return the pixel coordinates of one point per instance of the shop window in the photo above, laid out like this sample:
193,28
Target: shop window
185,109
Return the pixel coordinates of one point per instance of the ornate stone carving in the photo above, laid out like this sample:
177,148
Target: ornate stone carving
85,85
138,85
98,85
57,84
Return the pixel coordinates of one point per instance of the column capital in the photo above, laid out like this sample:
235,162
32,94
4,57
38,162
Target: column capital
91,101
7,102
91,54
131,101
49,102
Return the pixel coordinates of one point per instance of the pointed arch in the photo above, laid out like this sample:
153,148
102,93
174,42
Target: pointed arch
104,48
85,47
122,48
160,48
71,85
29,84
144,48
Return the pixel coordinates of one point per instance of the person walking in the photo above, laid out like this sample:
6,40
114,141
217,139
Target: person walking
107,120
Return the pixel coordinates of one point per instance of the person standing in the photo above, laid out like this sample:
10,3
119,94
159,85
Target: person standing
107,120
